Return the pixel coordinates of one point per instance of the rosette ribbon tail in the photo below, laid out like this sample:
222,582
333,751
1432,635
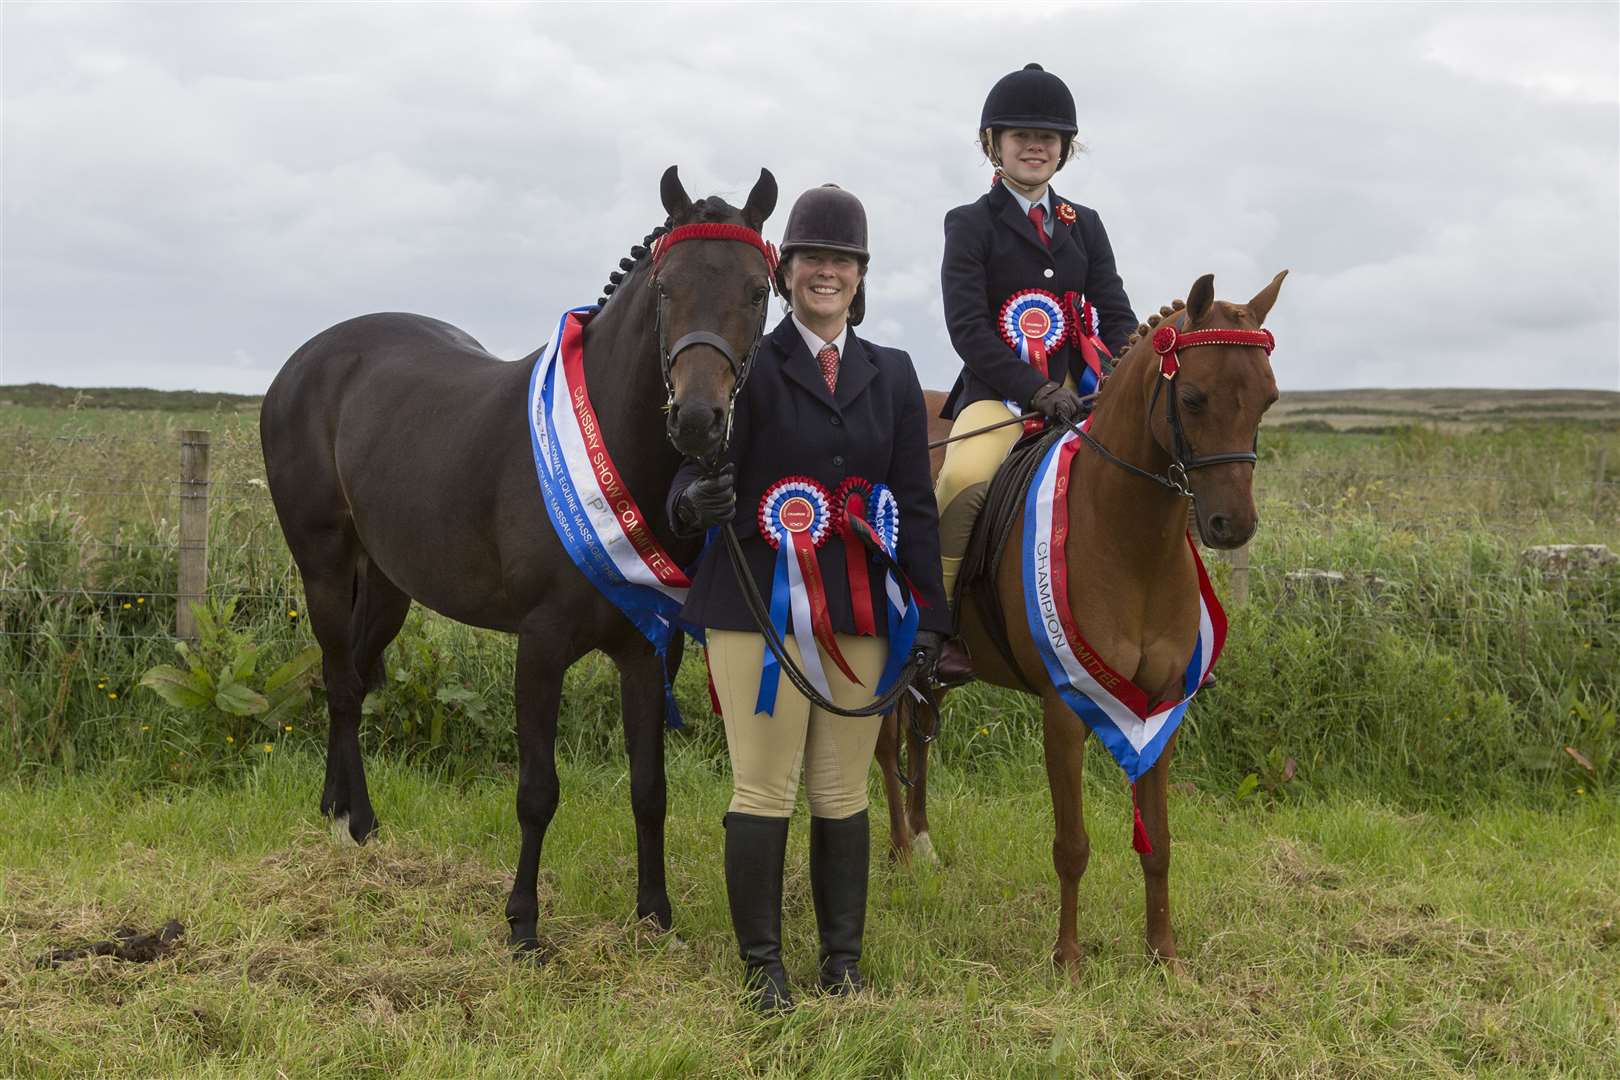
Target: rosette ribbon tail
809,592
770,673
860,589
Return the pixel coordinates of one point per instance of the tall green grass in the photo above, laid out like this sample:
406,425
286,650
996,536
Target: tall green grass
1445,669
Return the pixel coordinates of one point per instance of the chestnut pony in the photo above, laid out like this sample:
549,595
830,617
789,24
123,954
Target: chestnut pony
398,454
1133,586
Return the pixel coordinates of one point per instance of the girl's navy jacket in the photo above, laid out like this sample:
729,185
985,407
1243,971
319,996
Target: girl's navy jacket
992,252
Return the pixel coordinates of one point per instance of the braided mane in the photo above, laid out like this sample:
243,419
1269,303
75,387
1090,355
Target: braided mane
1144,329
712,208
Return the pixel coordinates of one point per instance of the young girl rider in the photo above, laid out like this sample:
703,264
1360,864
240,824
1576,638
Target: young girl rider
826,421
1024,269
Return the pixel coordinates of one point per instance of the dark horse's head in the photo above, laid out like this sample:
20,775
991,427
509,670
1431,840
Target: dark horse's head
712,286
1216,398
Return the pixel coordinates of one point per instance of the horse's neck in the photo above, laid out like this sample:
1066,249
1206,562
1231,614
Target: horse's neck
1138,526
627,390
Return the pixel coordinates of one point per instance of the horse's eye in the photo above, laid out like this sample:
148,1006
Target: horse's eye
1192,401
760,294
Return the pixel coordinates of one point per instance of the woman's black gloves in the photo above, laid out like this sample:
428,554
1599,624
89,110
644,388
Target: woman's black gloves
926,647
707,501
1057,402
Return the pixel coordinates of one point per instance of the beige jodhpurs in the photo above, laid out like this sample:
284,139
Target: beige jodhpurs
964,480
768,752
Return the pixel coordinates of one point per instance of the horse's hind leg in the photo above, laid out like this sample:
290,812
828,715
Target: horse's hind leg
379,611
331,586
538,690
888,759
641,696
1153,800
1065,741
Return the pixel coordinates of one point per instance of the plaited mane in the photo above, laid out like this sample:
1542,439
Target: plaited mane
712,208
1144,329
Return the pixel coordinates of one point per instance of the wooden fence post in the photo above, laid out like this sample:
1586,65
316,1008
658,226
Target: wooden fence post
1598,478
1240,575
193,585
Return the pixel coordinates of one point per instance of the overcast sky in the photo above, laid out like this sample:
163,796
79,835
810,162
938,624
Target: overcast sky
190,192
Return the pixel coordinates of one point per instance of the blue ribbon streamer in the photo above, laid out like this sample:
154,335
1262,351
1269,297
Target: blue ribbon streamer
770,672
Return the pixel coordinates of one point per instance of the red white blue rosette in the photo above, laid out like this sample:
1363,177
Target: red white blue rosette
1033,323
796,517
902,609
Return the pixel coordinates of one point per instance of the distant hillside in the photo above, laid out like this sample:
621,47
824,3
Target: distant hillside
44,395
1447,409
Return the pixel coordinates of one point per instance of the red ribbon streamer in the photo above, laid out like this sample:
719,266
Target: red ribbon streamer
1139,836
820,619
860,587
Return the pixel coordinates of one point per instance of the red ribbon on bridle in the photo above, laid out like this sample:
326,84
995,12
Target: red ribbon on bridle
1167,341
709,230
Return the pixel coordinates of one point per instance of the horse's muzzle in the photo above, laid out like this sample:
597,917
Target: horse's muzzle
696,428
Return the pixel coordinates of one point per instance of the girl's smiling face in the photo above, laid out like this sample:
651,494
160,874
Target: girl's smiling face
1029,156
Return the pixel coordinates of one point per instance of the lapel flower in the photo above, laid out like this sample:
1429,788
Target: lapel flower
1065,213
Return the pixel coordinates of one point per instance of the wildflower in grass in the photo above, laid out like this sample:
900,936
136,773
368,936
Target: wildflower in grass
140,599
984,731
268,747
112,695
230,739
292,613
101,685
288,729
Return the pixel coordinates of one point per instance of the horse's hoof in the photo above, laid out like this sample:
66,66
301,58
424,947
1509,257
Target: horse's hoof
340,831
659,914
1070,961
526,948
362,827
922,848
1169,963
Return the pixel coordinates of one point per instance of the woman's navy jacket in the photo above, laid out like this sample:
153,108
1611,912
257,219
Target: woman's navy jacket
991,252
788,424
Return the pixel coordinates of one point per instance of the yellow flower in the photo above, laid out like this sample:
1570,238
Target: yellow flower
127,605
268,747
230,738
1580,791
112,695
984,731
292,613
140,599
101,686
287,728
146,727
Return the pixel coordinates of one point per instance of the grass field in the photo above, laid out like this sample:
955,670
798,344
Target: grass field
1341,937
1398,836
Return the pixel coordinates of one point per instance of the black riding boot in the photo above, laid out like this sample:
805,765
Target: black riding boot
840,852
755,850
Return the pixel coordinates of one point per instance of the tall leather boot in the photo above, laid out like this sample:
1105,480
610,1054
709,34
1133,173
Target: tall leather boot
755,850
840,852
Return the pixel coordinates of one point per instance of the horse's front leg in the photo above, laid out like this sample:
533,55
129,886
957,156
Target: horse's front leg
1152,799
538,691
641,691
888,759
921,716
1064,737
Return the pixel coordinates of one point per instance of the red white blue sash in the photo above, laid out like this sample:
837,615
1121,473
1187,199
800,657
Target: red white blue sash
1133,727
594,514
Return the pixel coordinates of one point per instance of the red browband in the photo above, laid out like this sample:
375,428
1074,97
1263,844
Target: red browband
714,231
1167,341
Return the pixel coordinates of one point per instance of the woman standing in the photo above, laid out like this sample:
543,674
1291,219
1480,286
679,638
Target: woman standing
1023,271
828,428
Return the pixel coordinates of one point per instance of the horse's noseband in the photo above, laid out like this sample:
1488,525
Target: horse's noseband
668,353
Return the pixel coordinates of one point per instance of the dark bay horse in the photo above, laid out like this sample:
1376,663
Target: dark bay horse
399,458
1133,587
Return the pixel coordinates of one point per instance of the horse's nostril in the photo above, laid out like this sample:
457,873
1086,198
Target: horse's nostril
718,419
1220,525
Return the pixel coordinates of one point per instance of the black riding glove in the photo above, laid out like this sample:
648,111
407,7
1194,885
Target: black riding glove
707,501
925,648
1057,402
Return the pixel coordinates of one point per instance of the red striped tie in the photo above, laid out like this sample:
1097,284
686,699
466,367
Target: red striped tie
1037,214
828,359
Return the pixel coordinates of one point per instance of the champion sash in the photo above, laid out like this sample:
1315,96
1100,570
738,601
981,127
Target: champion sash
1133,727
593,513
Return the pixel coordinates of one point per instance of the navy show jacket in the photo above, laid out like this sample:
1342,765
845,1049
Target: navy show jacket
992,252
787,423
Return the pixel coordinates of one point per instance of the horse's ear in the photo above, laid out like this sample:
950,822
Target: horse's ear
1260,306
1200,298
761,200
676,201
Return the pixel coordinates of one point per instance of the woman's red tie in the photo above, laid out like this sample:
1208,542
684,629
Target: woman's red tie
828,359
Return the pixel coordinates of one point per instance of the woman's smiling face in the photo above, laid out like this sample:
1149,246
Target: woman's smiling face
822,283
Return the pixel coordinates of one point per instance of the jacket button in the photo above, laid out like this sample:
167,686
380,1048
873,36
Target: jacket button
1047,272
838,459
837,421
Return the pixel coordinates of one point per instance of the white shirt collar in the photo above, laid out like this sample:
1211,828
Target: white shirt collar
814,342
1045,204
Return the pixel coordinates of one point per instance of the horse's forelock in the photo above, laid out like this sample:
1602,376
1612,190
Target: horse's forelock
711,209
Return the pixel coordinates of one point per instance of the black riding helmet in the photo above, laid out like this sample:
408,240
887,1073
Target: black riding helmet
1030,98
827,217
